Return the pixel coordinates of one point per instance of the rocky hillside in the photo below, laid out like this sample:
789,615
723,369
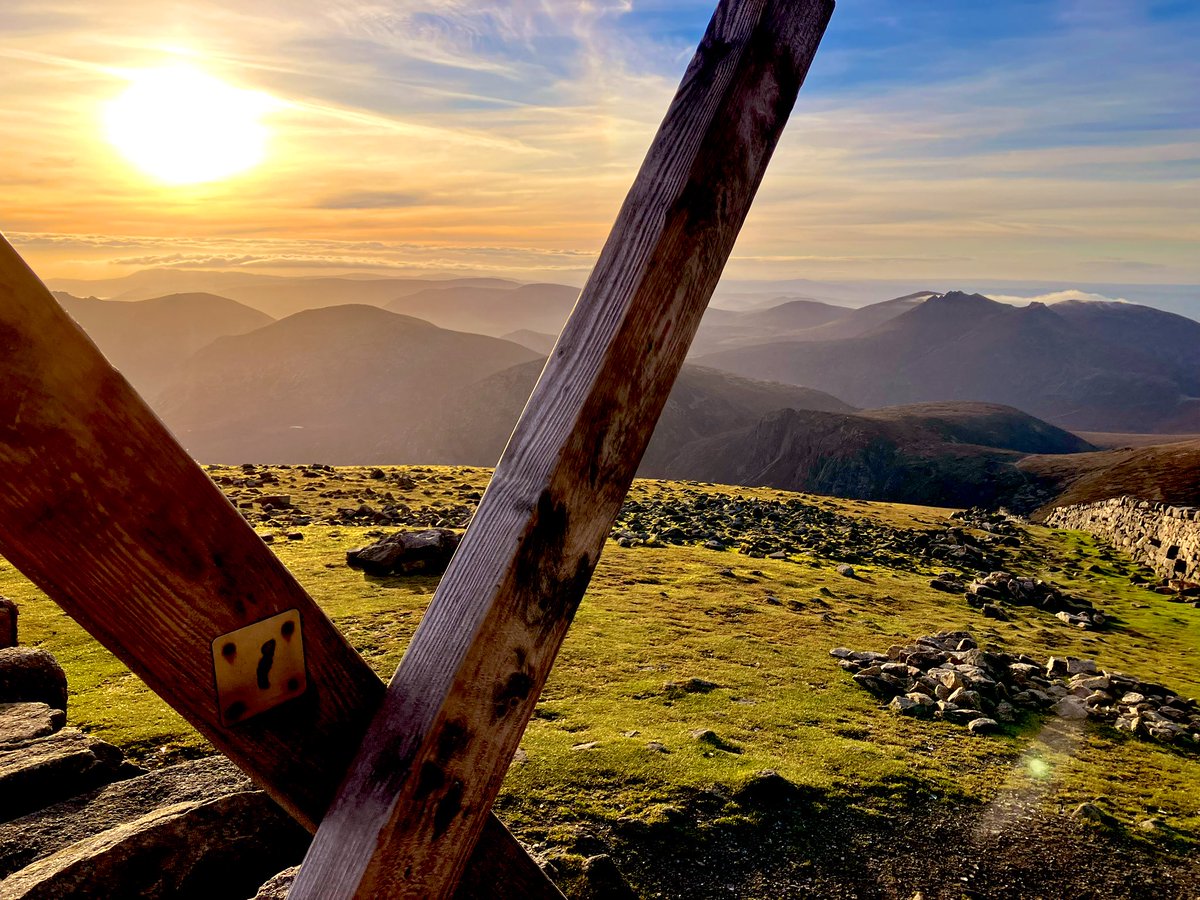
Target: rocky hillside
474,426
944,454
1092,366
1163,473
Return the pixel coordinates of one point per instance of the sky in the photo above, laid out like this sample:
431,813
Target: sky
1048,141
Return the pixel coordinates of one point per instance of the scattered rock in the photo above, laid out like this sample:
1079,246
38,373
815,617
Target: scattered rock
767,790
983,725
846,571
586,745
710,737
1090,812
946,675
998,588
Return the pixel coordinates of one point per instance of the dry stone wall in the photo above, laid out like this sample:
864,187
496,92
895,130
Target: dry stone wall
1165,538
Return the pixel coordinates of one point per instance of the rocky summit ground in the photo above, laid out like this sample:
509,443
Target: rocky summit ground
697,734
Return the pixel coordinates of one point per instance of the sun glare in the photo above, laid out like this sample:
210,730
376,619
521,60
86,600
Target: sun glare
183,126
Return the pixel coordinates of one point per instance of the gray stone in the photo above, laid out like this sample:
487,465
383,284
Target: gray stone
710,737
28,674
983,725
1070,708
22,722
845,571
906,707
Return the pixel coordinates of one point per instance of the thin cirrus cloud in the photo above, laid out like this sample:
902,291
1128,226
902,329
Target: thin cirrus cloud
1039,140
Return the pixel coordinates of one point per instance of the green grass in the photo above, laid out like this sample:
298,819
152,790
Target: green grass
654,615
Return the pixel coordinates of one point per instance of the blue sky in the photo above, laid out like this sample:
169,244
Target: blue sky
1054,141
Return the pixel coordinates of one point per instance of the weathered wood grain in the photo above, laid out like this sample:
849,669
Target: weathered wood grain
405,820
103,510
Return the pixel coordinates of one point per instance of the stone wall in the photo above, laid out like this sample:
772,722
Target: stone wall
1165,538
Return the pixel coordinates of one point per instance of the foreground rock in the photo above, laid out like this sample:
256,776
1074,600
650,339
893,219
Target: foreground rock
224,846
947,676
24,722
406,553
36,773
1006,589
47,831
28,674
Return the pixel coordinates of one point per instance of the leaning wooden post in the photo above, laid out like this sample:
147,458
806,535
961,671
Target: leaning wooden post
406,819
105,512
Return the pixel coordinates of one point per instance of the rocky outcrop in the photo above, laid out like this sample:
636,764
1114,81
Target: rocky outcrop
947,676
1165,538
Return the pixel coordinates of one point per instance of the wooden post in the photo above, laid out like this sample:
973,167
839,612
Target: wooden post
412,808
105,512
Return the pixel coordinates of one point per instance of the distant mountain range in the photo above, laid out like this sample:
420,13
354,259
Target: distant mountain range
148,339
357,383
1090,366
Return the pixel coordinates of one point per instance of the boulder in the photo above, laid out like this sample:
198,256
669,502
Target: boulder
219,847
983,725
406,552
24,722
28,674
8,623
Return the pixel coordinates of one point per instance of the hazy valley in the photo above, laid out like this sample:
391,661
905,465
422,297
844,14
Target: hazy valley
951,398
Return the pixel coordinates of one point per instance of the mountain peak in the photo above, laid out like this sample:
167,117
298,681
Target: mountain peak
961,299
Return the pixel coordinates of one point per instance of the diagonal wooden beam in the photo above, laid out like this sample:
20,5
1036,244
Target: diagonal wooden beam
106,513
412,808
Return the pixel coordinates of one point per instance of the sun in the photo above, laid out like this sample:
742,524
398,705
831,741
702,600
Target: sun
181,125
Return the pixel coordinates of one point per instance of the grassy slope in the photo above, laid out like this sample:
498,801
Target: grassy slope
658,615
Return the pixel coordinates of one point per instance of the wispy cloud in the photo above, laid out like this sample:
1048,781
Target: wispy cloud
1024,138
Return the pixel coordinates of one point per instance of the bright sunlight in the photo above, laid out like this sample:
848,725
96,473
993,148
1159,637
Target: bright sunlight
183,126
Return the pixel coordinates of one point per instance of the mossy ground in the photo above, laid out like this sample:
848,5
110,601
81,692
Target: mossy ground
656,615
